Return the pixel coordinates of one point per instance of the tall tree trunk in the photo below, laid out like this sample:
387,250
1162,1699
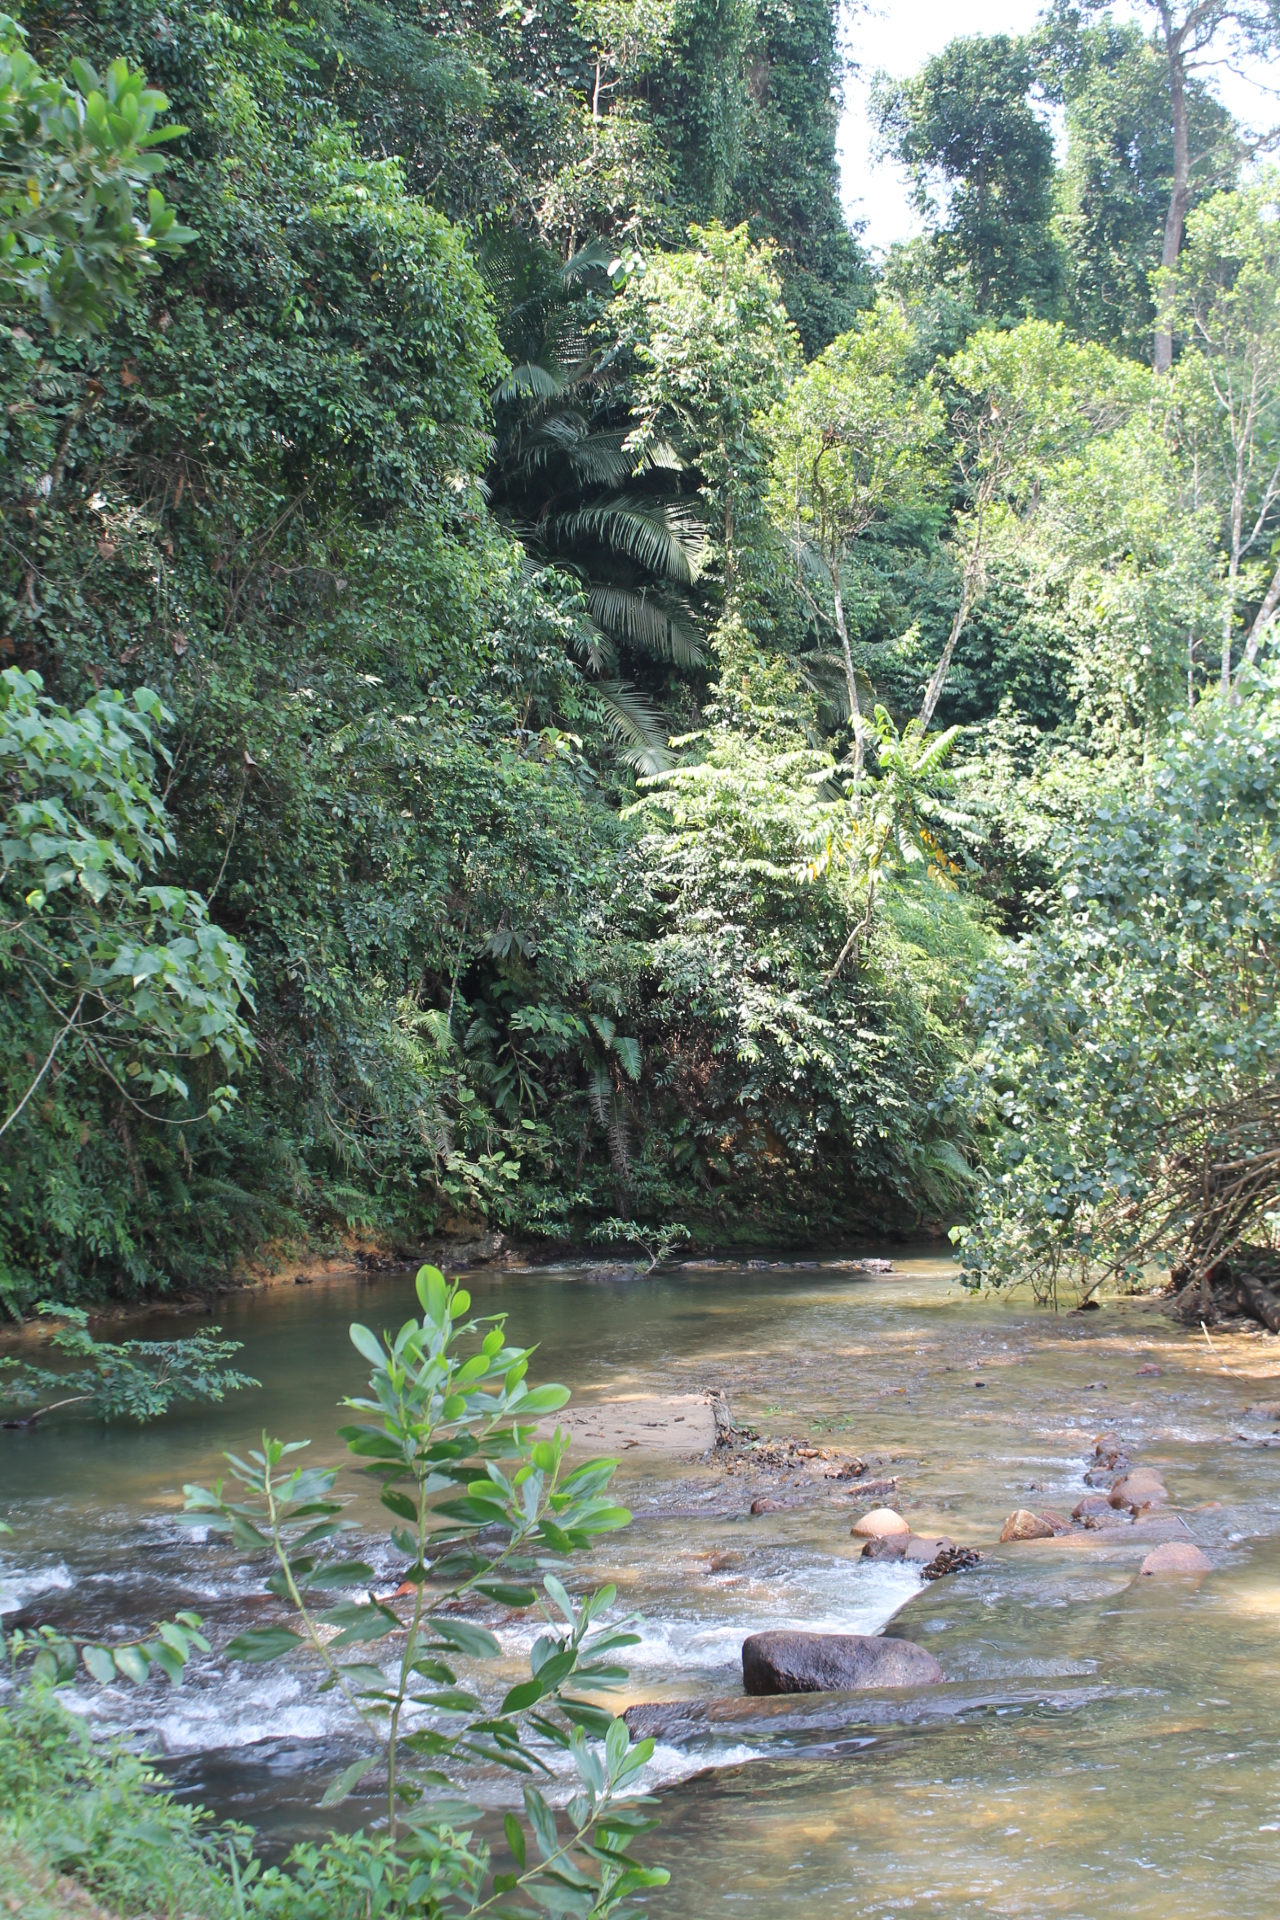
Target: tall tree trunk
1265,615
1176,219
855,705
968,594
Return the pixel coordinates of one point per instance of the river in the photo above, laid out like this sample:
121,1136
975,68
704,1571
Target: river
1104,1744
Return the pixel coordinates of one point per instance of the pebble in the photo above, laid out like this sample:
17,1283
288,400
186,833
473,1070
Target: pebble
879,1523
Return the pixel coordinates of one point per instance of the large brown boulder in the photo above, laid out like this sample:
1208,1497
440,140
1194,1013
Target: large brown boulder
833,1663
1143,1487
1024,1525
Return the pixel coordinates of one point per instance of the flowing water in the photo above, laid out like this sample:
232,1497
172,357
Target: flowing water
1103,1744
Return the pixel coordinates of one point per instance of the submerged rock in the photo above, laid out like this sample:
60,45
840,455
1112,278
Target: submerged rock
767,1506
1092,1506
868,1489
1177,1556
1025,1525
925,1547
833,1663
1109,1458
880,1522
890,1546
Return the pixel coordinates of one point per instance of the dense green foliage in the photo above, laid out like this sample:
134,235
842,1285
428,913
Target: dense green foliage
473,595
96,1812
1129,1051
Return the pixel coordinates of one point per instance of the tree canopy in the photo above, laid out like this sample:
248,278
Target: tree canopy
541,686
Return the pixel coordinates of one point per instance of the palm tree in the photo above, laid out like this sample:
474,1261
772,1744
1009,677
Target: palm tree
566,483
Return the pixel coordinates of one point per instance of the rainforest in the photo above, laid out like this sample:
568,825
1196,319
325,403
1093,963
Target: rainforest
601,750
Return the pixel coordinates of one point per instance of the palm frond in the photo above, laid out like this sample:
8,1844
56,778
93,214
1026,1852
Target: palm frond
643,622
598,460
663,538
635,726
595,647
532,378
594,257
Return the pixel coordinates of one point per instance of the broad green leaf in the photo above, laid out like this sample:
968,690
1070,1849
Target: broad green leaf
342,1573
477,1643
452,1700
540,1400
348,1778
399,1503
506,1592
367,1345
263,1643
542,1820
432,1294
100,1664
558,1593
132,1663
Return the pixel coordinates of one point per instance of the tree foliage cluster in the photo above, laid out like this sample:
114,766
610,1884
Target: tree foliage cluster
534,680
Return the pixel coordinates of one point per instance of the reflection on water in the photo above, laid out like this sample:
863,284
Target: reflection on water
1103,1745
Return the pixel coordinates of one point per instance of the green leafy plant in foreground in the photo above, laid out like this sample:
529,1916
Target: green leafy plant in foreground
55,1658
439,1421
136,1379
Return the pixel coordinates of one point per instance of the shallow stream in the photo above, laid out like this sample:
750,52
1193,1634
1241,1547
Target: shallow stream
1104,1744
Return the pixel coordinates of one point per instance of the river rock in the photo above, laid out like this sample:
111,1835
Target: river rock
1177,1556
925,1547
1265,1410
1108,1458
1092,1505
879,1523
869,1489
1143,1487
766,1506
1025,1525
833,1663
1150,1369
890,1546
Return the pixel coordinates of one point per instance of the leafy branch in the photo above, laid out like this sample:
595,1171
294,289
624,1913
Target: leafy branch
484,1508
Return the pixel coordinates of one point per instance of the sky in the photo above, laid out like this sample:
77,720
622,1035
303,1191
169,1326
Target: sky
899,35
